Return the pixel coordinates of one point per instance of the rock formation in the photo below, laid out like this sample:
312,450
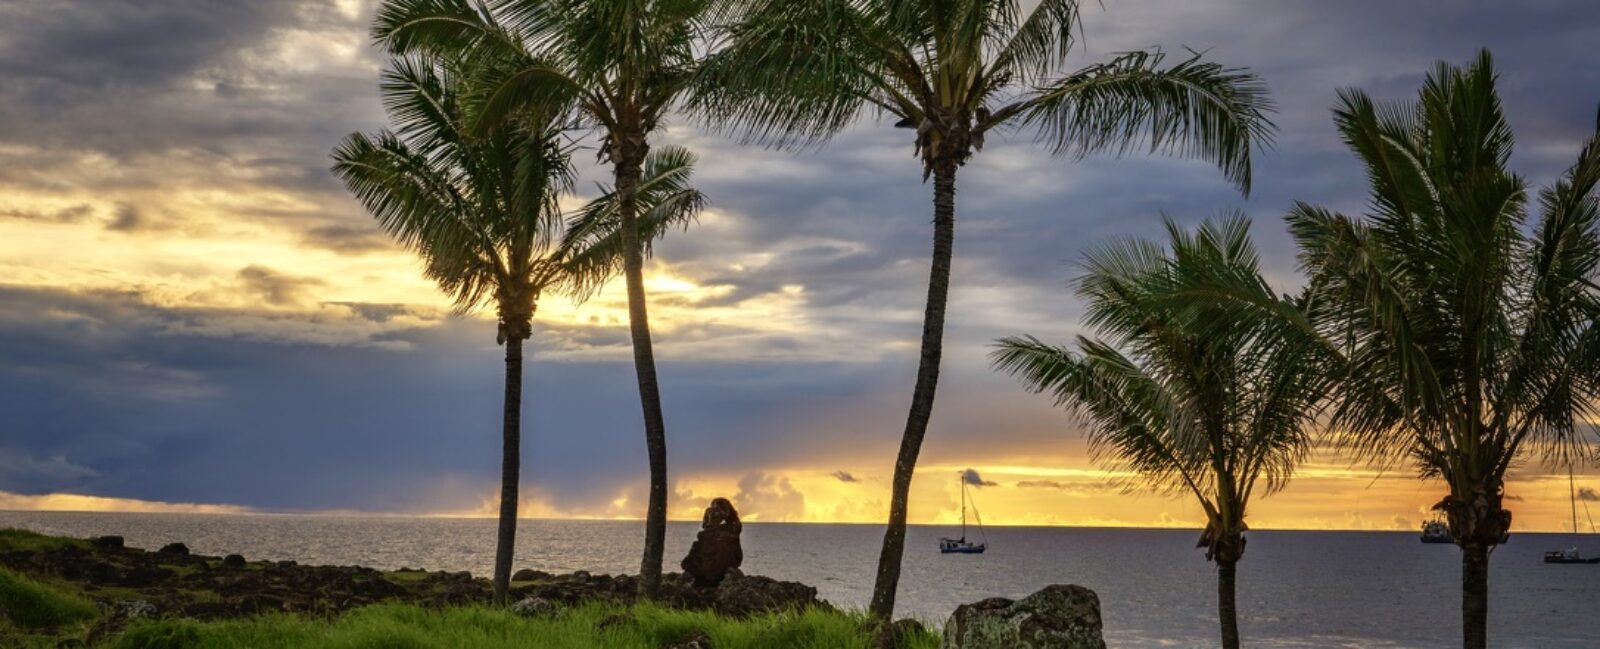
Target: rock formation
716,548
1057,617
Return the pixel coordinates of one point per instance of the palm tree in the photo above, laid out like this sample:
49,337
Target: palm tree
618,67
793,72
1192,396
482,214
1466,336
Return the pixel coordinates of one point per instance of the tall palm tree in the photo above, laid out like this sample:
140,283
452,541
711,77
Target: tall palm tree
1192,396
482,214
792,72
1466,335
618,67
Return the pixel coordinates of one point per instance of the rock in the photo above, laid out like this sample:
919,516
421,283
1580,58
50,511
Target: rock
233,561
740,595
716,548
534,607
525,574
690,640
897,635
107,542
1057,617
175,548
134,609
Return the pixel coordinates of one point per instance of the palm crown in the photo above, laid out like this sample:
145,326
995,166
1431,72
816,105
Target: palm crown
1465,333
799,71
481,211
1189,396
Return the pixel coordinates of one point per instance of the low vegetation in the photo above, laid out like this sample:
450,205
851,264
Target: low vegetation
592,625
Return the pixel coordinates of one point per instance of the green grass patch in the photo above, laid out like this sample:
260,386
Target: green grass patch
398,626
12,540
29,605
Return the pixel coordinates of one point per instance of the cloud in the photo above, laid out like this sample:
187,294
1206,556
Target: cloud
971,477
1588,494
844,476
128,218
277,288
64,215
764,497
62,502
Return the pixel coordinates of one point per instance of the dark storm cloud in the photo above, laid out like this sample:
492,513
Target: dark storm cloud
845,476
109,395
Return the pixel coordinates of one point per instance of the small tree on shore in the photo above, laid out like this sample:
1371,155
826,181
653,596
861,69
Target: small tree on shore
1464,336
1193,396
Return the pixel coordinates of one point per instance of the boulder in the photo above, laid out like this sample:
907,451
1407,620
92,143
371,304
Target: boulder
716,548
175,548
107,542
741,595
525,574
534,607
233,561
1057,617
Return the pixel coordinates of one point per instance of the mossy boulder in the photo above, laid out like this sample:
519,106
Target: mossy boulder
1057,617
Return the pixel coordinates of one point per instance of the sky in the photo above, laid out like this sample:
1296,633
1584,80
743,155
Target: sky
194,316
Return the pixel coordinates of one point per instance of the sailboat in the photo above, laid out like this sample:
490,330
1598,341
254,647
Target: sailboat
1571,555
962,545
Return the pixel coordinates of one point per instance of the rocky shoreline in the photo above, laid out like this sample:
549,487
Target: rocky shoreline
131,583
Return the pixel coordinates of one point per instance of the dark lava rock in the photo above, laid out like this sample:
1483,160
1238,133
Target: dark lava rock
233,561
740,595
897,635
107,542
716,548
174,548
526,574
1057,617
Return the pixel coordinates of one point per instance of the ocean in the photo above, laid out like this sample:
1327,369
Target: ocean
1296,589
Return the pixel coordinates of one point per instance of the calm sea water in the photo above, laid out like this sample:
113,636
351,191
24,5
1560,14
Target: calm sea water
1296,589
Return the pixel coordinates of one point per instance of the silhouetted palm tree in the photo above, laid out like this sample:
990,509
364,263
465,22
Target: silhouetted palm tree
617,66
1192,396
480,211
1465,335
797,71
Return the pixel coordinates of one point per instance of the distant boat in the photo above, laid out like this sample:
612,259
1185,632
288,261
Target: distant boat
962,545
1571,555
1436,531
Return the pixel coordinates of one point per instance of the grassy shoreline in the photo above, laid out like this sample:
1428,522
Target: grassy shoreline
50,604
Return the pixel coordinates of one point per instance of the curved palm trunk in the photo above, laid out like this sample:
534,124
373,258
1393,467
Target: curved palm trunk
510,469
644,364
1227,607
1475,596
894,538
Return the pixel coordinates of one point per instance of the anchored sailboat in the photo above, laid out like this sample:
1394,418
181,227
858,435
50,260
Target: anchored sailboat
962,545
1571,555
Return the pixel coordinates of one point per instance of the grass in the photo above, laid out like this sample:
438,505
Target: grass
23,540
398,626
35,615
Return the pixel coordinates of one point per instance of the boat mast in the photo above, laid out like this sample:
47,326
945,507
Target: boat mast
1572,494
964,507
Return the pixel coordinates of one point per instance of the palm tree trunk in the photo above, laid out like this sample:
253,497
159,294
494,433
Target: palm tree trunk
1475,596
644,365
510,469
1227,607
894,538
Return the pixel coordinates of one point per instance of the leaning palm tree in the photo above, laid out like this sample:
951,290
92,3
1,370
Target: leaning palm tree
793,72
1466,336
481,212
618,67
1191,396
